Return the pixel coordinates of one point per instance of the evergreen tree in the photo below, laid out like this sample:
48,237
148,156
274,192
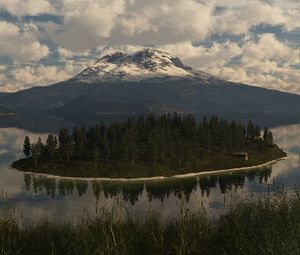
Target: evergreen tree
65,144
37,151
266,134
132,147
50,146
251,130
270,137
96,157
153,150
27,147
257,132
79,142
178,141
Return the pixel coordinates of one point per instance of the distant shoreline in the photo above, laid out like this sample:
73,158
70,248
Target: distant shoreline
157,178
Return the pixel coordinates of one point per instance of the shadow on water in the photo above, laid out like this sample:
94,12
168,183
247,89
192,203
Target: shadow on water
132,191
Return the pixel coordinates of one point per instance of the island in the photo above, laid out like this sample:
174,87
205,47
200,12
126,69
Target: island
150,146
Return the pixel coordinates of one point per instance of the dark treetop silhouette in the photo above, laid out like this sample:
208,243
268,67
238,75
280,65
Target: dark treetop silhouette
150,146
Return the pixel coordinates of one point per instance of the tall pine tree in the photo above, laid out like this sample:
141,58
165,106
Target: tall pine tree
27,147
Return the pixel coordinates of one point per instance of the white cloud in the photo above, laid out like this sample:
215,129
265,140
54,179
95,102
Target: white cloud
85,22
21,45
237,17
269,48
30,76
201,57
271,63
65,54
168,24
135,24
131,22
3,78
182,17
265,62
26,7
96,22
8,30
39,75
144,21
105,50
98,17
2,67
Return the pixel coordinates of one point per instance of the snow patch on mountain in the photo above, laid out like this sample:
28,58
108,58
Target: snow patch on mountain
145,64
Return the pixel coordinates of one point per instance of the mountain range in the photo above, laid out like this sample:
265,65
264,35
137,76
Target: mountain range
149,80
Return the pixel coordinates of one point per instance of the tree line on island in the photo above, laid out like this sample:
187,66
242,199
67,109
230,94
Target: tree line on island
167,139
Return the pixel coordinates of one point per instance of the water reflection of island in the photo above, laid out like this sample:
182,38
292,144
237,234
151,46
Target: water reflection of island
131,191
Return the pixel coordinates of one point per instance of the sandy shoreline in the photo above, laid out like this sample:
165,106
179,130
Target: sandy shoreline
156,178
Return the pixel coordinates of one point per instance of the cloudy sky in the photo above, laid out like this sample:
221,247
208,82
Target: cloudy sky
251,41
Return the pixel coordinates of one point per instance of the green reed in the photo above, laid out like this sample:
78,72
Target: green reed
254,226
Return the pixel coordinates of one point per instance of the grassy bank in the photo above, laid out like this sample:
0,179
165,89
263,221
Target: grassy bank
122,169
266,227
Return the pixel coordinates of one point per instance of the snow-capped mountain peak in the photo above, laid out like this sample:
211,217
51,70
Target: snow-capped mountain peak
148,63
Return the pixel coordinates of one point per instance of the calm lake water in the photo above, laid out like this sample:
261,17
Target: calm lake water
34,197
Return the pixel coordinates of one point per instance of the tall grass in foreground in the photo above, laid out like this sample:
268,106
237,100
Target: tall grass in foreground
266,226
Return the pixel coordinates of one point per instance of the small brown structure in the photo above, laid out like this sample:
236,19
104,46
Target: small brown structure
242,155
